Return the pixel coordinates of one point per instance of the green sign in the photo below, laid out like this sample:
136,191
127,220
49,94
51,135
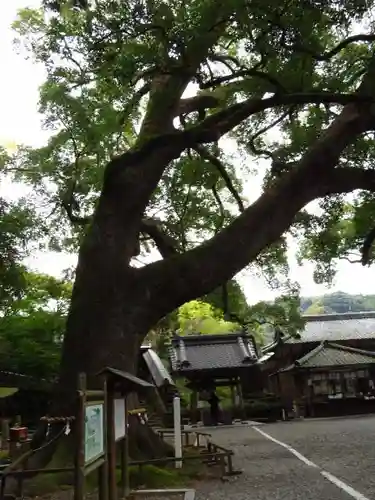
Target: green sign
94,431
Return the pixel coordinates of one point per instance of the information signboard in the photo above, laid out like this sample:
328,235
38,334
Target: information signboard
94,431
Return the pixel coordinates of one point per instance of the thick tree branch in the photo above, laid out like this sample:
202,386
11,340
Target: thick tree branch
275,85
196,103
168,87
139,170
338,48
218,124
206,155
262,131
198,271
367,246
202,269
164,243
74,219
221,209
346,180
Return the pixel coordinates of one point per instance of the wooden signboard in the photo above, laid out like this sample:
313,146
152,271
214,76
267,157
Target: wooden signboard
91,452
94,431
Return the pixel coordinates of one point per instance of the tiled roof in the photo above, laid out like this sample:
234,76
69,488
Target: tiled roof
329,354
336,327
208,352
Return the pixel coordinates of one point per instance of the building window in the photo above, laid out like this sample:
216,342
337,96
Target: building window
320,387
349,387
335,387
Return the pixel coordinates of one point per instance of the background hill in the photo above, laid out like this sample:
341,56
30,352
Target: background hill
338,302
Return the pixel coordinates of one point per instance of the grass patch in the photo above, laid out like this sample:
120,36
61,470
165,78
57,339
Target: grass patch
7,391
150,476
147,476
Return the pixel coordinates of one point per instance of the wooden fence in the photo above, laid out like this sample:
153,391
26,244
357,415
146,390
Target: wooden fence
99,406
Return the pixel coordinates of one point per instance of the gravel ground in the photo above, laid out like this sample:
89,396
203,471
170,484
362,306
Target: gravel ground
342,447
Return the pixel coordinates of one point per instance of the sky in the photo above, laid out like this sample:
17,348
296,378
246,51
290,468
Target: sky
21,124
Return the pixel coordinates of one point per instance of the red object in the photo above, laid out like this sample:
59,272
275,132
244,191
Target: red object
18,434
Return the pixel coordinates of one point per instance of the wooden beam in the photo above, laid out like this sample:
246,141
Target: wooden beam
111,442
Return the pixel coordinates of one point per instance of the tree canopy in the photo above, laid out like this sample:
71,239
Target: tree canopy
250,67
20,229
338,302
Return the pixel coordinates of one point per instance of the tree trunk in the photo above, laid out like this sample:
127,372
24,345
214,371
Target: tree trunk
109,317
109,333
108,320
109,313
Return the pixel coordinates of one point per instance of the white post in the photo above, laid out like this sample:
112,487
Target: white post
177,430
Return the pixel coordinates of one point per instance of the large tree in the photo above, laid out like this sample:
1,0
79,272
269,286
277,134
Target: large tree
132,160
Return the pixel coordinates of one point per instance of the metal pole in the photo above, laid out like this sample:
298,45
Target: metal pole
111,441
79,474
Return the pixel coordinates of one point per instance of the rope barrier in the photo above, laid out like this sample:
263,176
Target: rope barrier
55,420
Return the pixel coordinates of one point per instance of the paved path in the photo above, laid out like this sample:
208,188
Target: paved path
330,459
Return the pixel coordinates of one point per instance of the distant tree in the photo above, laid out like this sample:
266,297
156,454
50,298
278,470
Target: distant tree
230,299
315,308
337,302
18,228
198,317
32,327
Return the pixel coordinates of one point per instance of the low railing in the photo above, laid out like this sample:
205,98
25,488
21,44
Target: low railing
163,433
211,453
18,471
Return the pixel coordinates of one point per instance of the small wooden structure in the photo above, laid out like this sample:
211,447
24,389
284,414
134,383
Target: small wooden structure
151,368
30,396
101,422
119,386
91,451
211,361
